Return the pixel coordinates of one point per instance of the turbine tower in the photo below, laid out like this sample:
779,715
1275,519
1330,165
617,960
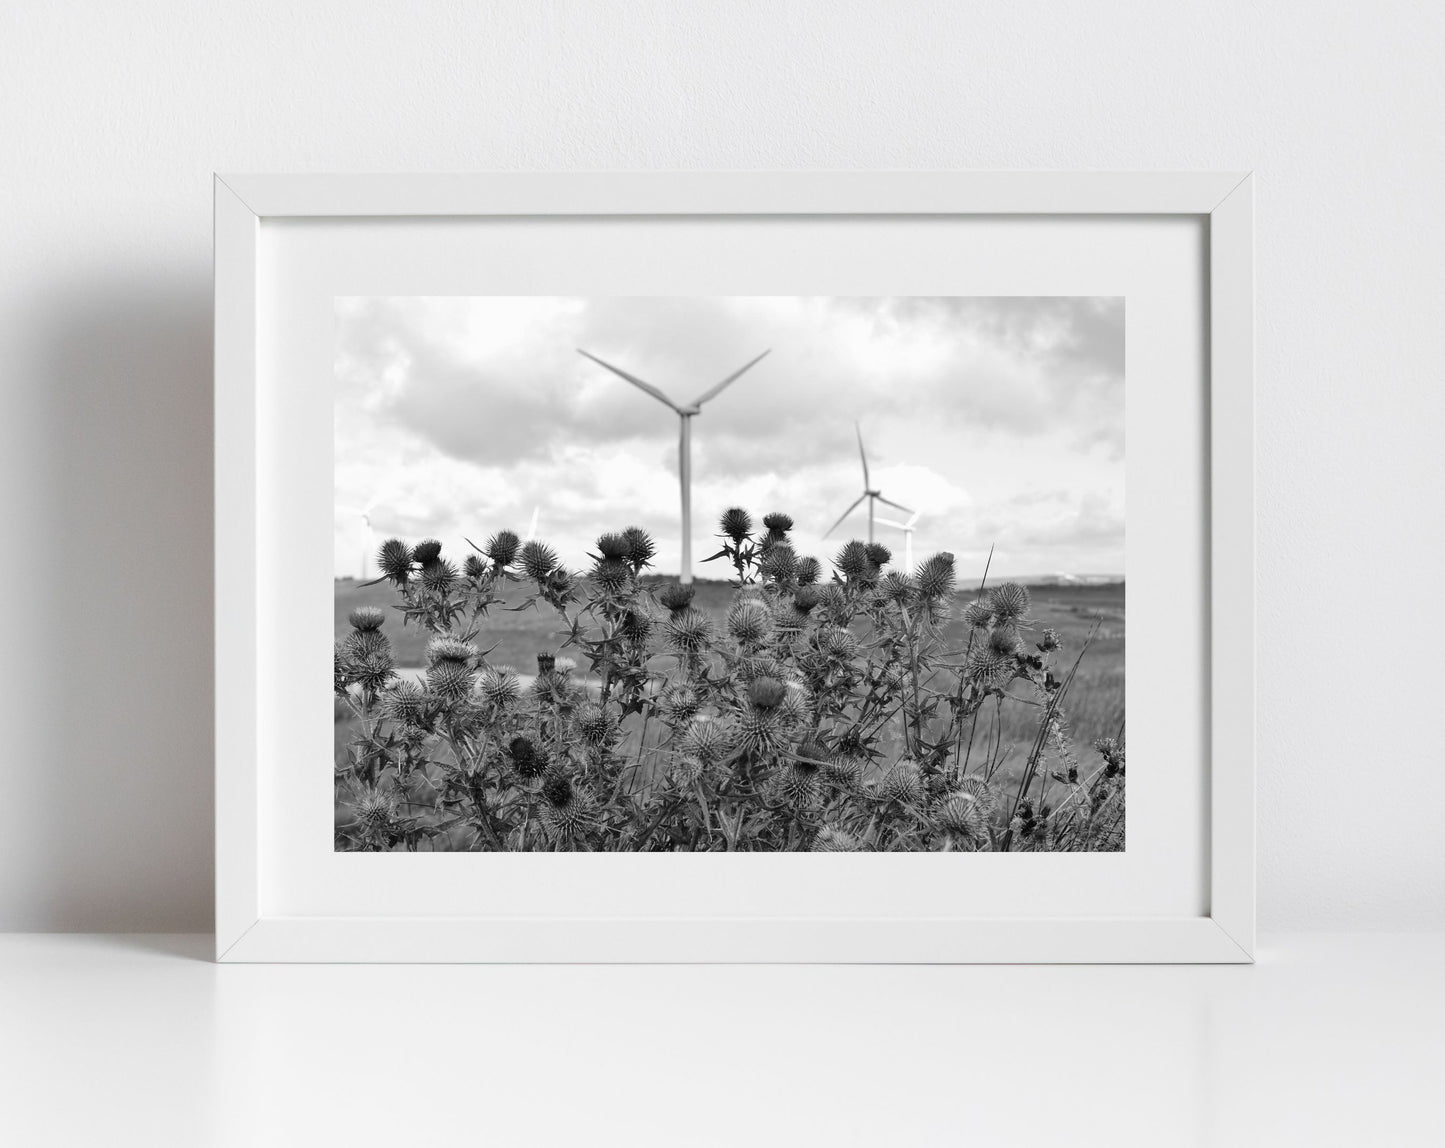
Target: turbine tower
685,416
871,493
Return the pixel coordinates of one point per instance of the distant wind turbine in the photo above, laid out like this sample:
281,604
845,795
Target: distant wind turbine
871,493
907,528
368,545
684,440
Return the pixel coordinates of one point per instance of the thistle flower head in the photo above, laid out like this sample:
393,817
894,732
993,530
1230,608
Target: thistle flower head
806,597
474,567
375,808
525,759
736,523
1050,642
439,576
795,709
809,571
766,693
837,643
537,560
499,686
797,783
750,620
688,631
758,732
878,554
903,782
394,560
640,547
1009,601
502,547
678,704
363,644
612,574
675,596
597,725
428,550
896,588
374,672
405,703
546,663
780,562
853,559
778,522
960,814
1004,639
638,623
831,839
566,810
450,680
365,618
978,789
936,576
450,650
986,667
613,546
977,616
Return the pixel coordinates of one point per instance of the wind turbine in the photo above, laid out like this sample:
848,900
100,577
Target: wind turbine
907,528
870,492
685,416
368,546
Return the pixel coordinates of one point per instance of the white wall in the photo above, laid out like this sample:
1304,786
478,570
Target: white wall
113,115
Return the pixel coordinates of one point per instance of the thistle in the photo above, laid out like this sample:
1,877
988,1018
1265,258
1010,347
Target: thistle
394,560
538,560
640,547
759,733
837,643
767,693
1049,642
366,618
831,839
612,574
439,576
499,687
809,571
903,782
986,667
878,554
797,783
426,551
525,760
778,523
977,616
708,740
936,577
806,597
474,567
853,560
597,726
566,810
450,680
373,673
676,597
678,704
502,548
780,563
1009,601
1004,640
405,703
961,815
613,546
688,631
750,621
375,808
450,650
897,588
363,644
736,523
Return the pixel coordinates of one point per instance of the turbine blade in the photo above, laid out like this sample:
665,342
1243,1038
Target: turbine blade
863,455
895,505
633,379
844,515
713,392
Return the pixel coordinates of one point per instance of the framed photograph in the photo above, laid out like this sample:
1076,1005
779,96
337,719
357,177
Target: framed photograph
734,567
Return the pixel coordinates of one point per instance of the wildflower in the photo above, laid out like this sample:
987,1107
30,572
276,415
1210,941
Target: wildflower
708,739
878,554
978,789
525,759
1009,601
778,523
759,732
903,782
844,769
736,523
363,644
499,687
502,548
960,814
688,631
546,663
767,693
1050,642
538,560
795,709
449,680
566,810
613,546
676,597
896,588
1004,639
373,673
375,808
936,576
749,620
780,563
678,704
450,650
439,576
986,667
612,574
830,839
806,597
474,567
638,624
640,547
366,618
394,560
977,616
405,703
797,783
427,551
853,559
809,571
597,726
837,643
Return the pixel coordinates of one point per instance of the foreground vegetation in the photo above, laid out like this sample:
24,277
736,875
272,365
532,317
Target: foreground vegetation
864,710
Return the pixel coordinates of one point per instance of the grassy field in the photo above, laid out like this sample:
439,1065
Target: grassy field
1096,700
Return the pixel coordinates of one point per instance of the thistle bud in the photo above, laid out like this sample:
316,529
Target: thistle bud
675,596
394,560
737,523
767,693
428,550
613,546
809,571
502,547
640,547
878,554
365,618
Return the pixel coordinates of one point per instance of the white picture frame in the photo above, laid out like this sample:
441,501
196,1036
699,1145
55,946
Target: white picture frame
246,931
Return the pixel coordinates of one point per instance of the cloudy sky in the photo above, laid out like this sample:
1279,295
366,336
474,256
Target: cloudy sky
1000,420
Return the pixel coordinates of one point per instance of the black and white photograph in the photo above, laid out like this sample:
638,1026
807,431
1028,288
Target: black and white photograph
828,574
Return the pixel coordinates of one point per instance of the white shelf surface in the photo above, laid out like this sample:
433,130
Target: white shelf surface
1329,1039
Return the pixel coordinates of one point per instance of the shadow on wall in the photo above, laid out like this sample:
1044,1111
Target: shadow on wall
123,677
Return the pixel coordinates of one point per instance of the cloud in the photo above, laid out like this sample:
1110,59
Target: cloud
456,410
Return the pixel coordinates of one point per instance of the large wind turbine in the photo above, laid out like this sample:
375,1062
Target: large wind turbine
685,416
871,493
